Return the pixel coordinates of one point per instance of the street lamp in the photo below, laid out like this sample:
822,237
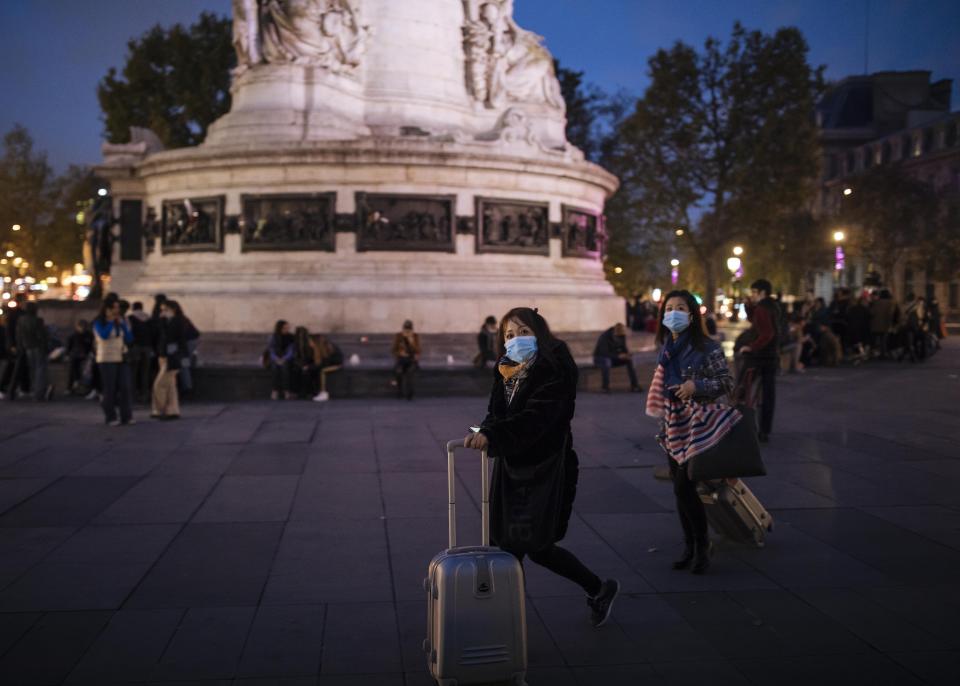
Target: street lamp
839,259
102,192
10,253
674,271
848,191
674,262
15,227
733,264
679,232
48,264
737,250
618,270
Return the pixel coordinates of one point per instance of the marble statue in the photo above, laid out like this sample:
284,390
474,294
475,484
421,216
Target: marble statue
316,33
246,34
505,63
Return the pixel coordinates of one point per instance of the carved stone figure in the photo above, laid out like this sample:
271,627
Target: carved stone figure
318,33
246,34
505,63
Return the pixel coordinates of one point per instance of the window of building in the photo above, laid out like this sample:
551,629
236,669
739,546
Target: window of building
885,153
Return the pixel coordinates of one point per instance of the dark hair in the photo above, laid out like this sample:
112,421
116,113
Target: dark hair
124,306
533,320
278,327
175,306
490,320
30,307
762,285
697,328
302,339
108,302
137,306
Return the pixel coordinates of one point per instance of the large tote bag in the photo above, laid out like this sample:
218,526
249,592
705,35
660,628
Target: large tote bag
737,454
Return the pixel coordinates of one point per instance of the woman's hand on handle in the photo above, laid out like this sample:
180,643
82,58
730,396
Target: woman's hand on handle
686,390
477,441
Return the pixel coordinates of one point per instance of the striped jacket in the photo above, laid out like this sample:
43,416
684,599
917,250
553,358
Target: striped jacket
689,428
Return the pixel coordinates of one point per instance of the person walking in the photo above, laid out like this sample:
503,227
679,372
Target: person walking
486,343
171,349
611,351
280,351
111,336
691,375
406,355
32,342
762,354
527,428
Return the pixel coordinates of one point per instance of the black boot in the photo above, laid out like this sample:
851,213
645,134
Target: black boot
701,557
686,558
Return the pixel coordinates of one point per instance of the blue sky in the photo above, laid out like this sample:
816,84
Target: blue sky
53,52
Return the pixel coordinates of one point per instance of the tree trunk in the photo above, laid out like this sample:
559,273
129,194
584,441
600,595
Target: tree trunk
711,278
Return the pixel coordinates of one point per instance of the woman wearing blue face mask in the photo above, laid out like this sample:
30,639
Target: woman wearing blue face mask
691,376
527,428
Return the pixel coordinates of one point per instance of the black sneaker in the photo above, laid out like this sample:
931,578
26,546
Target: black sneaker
602,603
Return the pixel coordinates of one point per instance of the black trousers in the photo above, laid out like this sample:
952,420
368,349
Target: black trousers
606,363
767,369
117,391
404,371
561,561
281,377
693,516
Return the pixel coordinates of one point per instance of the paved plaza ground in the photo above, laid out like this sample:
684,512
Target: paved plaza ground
285,543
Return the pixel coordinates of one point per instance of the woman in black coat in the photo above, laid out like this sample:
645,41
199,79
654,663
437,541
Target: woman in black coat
528,428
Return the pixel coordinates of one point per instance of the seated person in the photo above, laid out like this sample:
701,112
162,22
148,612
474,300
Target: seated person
611,351
327,358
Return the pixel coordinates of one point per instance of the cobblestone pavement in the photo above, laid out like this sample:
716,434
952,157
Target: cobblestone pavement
285,543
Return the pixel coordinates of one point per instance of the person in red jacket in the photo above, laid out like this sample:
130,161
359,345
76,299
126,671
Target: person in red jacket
763,352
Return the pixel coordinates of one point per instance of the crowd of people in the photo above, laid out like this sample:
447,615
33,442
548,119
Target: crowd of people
124,355
859,327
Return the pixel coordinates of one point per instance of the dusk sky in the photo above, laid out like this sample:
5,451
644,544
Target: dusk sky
53,52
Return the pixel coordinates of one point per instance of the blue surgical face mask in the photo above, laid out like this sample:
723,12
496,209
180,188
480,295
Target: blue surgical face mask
521,348
676,320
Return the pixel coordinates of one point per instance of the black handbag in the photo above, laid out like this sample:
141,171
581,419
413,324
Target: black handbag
737,455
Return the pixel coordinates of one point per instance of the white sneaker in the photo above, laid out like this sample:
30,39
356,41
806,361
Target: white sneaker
92,395
129,423
321,397
114,422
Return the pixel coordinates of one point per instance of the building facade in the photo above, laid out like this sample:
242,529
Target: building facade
891,118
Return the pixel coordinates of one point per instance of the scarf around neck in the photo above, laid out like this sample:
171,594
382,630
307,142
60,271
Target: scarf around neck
670,359
513,373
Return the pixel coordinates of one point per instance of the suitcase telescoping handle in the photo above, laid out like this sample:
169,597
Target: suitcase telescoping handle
453,446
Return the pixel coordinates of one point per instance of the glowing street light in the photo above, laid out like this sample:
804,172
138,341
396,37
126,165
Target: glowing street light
15,227
10,253
839,236
656,295
733,264
17,261
618,270
102,192
848,191
679,232
674,262
737,250
48,264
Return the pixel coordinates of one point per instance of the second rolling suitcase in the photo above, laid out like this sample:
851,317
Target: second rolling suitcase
476,617
735,512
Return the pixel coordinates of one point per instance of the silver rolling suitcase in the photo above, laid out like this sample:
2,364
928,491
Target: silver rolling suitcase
476,618
734,511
